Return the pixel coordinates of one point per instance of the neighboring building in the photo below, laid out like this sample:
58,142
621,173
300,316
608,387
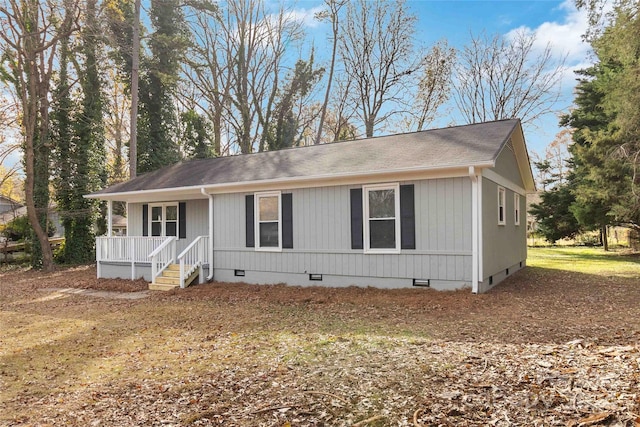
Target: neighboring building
444,208
20,210
7,204
119,225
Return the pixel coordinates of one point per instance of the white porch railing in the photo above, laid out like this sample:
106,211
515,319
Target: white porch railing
163,256
193,258
160,252
125,249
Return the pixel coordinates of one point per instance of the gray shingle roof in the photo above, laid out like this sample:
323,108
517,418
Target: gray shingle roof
458,146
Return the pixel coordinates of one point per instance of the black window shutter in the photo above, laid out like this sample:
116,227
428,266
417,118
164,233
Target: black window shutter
407,217
356,218
249,221
182,218
287,221
145,220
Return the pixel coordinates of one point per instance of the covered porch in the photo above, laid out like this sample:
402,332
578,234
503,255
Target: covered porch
157,246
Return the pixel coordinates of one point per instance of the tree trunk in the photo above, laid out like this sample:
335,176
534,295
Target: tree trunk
605,239
32,214
369,126
135,66
323,113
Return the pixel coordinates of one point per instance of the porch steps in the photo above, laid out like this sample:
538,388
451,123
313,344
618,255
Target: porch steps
170,279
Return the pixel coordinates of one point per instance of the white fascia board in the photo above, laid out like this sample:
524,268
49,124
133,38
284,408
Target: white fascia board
503,182
522,158
195,192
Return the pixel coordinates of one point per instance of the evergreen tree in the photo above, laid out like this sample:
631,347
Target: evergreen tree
553,214
195,139
62,137
284,129
158,126
90,153
80,143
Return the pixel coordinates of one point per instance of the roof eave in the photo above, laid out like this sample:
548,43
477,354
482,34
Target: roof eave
194,192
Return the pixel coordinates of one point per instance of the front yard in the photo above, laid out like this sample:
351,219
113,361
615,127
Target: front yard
556,344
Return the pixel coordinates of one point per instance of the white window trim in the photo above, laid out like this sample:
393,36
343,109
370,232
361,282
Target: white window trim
365,213
516,209
256,216
502,197
163,227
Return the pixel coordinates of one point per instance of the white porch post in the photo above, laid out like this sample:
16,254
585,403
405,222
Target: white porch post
132,251
480,229
210,249
475,227
109,218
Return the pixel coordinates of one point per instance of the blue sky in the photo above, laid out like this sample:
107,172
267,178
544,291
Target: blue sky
555,22
552,21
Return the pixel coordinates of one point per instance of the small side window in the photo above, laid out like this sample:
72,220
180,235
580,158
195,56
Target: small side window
501,206
516,209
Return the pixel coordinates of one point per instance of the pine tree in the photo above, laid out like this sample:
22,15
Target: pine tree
90,149
195,136
158,126
62,137
284,129
78,134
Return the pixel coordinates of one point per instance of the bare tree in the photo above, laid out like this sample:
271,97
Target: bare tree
253,45
116,128
499,78
379,57
339,125
30,31
208,72
434,86
333,15
8,147
553,168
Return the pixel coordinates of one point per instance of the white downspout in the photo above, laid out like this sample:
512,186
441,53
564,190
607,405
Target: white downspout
475,252
210,196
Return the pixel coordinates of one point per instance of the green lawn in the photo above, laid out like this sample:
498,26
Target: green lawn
589,260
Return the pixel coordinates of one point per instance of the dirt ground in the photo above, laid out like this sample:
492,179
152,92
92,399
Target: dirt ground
546,347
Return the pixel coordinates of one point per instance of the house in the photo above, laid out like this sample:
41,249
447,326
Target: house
18,210
443,208
118,225
7,204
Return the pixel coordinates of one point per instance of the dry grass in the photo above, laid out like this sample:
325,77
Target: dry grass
550,346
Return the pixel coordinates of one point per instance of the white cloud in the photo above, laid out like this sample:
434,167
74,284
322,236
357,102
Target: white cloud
565,38
306,16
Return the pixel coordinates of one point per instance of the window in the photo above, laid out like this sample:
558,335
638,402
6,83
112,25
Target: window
501,206
164,220
382,218
268,221
516,209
